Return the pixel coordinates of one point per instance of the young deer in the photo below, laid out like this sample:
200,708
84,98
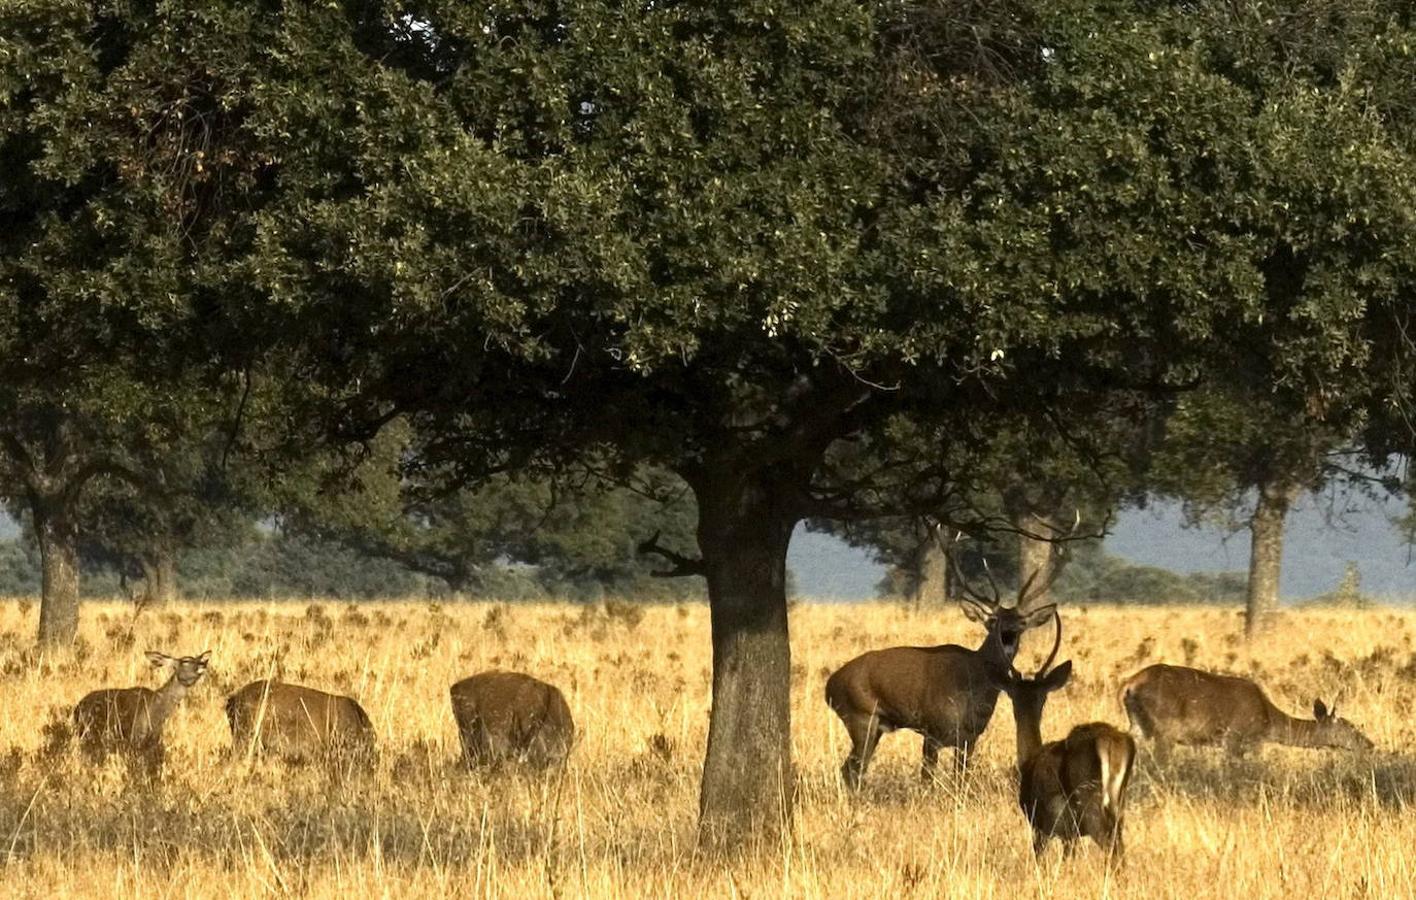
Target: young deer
1075,787
295,722
944,693
1179,705
131,719
503,716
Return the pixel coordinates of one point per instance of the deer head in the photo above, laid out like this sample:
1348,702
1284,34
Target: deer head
187,669
1005,623
1335,732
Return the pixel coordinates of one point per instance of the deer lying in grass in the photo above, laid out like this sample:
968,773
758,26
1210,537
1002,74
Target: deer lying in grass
298,722
1075,787
1179,705
131,719
945,693
508,716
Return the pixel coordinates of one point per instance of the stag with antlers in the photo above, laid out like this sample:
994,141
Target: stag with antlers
945,693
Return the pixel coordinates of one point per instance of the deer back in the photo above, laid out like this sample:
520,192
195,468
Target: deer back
1076,787
943,690
294,719
510,714
1188,705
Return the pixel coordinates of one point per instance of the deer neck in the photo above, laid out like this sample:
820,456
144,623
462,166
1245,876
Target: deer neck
1285,729
991,651
165,699
1029,725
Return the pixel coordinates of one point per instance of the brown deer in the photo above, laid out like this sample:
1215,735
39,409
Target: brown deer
1075,787
945,693
1179,705
508,716
131,719
297,722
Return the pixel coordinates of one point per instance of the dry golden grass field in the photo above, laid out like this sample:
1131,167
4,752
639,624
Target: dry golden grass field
620,820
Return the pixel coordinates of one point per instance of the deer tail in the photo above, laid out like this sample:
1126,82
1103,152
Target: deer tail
1116,755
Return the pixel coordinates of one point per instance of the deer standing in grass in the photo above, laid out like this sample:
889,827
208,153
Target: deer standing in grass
131,719
945,693
508,716
1075,787
298,722
1179,705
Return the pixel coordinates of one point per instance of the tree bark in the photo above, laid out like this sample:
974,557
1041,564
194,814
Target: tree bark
748,783
1035,556
931,582
1266,555
59,562
159,576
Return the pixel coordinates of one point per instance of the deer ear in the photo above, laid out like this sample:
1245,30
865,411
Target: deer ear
1320,711
204,657
1058,677
157,659
1039,616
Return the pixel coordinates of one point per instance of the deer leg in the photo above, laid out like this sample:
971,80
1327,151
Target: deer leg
930,758
1115,847
1237,747
1039,842
865,734
95,751
1160,750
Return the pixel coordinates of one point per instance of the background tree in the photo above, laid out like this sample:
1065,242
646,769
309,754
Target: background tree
569,534
122,189
1241,461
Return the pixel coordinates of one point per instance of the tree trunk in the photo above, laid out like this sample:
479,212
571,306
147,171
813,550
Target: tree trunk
746,795
1266,555
159,577
1035,556
931,582
59,561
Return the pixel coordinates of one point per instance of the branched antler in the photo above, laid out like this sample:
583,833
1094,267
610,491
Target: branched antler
683,566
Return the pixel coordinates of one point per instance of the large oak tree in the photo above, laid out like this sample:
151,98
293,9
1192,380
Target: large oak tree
790,253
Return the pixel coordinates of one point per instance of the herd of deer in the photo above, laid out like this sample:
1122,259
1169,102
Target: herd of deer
1069,788
500,716
1074,787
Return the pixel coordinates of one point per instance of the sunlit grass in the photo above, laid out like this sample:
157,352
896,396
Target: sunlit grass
620,820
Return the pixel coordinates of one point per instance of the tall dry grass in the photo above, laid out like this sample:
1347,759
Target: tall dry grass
620,821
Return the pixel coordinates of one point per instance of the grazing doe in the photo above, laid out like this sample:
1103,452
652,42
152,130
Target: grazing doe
945,693
131,719
1075,787
1179,705
296,722
508,716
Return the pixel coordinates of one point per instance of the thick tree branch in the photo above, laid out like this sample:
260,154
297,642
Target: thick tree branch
683,566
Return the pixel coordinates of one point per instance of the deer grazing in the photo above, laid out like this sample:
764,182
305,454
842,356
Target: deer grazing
508,716
131,719
945,693
1075,787
1179,705
297,722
